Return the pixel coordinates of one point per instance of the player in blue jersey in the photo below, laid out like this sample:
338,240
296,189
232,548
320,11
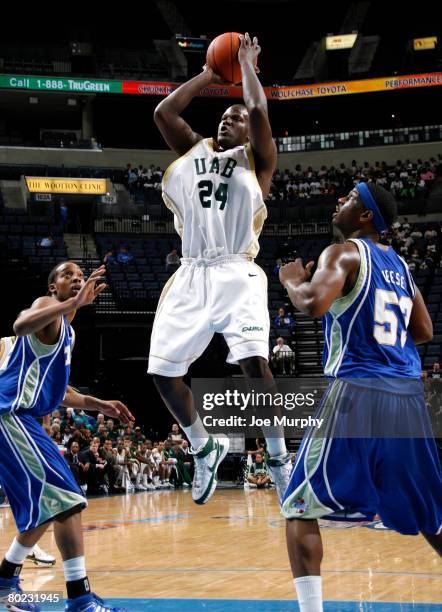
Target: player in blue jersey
34,375
377,454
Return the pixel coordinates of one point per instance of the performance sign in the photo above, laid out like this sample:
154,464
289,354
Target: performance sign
160,88
78,186
432,79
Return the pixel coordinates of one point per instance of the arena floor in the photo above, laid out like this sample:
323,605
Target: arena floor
159,551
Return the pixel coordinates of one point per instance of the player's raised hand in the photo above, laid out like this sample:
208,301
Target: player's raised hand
91,289
295,272
116,410
249,50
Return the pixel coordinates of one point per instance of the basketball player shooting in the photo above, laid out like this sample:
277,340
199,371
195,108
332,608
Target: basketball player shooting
216,190
378,456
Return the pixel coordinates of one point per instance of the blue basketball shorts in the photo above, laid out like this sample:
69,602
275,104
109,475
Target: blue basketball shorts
33,473
348,478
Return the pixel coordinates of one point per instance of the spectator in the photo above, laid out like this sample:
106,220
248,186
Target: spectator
137,436
282,357
284,320
124,256
132,180
99,421
86,434
122,464
172,261
188,457
147,467
180,474
275,270
101,434
66,434
175,435
47,241
436,373
76,466
64,215
56,434
112,433
109,258
79,439
109,456
80,419
127,171
167,464
258,474
93,469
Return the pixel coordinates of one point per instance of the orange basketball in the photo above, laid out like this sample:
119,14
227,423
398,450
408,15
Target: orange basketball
222,57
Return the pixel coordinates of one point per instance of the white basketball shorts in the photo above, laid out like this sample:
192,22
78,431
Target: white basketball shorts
227,295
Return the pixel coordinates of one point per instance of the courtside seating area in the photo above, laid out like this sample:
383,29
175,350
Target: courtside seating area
21,234
138,283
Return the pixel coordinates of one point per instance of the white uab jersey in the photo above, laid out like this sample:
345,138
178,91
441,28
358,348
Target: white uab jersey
216,200
219,213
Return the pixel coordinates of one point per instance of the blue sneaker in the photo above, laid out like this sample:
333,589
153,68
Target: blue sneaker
89,603
10,592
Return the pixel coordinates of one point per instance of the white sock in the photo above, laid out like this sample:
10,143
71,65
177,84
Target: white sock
74,569
196,433
276,446
17,553
309,592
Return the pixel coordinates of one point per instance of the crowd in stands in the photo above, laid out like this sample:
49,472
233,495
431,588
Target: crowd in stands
405,179
420,248
106,457
141,178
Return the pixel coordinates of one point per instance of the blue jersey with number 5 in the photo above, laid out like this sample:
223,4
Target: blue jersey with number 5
366,331
34,376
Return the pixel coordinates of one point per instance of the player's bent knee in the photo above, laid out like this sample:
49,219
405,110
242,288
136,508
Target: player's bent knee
63,516
165,383
254,367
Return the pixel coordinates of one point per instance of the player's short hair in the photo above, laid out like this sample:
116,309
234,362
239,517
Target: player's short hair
53,273
386,203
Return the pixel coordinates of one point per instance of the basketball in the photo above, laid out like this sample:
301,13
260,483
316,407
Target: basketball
222,57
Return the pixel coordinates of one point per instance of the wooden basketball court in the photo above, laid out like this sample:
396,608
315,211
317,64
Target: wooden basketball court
161,546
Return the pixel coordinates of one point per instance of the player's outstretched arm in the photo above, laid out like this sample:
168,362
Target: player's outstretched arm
43,317
43,312
263,145
420,325
176,132
314,297
111,408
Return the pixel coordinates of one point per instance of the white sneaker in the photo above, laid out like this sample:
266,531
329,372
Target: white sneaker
207,461
280,469
150,486
40,557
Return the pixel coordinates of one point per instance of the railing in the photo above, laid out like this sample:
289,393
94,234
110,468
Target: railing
132,225
136,225
360,138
